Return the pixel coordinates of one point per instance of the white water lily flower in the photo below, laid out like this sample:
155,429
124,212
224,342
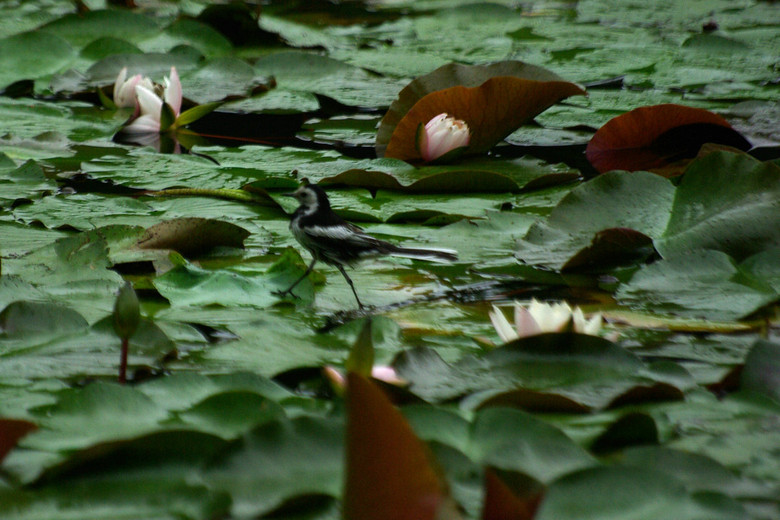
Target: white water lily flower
443,134
124,89
150,103
538,318
379,372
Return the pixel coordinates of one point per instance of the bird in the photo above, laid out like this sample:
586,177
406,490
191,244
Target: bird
334,241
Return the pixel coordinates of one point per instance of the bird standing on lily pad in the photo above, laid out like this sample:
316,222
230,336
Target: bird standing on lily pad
331,239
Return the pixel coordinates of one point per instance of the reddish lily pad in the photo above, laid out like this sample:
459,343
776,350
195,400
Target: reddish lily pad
518,501
452,75
614,246
492,111
11,430
652,138
390,474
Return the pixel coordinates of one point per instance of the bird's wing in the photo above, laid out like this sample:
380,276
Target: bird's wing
348,236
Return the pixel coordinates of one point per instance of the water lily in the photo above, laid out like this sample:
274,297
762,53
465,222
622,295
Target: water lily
538,318
441,135
150,101
379,372
124,89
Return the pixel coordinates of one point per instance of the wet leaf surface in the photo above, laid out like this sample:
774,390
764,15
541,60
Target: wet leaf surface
671,413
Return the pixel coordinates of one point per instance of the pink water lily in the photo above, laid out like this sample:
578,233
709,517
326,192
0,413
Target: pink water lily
441,135
124,89
538,318
151,104
379,372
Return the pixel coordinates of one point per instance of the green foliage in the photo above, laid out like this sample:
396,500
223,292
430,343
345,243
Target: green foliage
229,414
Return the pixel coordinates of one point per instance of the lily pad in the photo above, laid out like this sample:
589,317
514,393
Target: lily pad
492,111
192,236
651,138
595,217
725,201
278,461
80,29
702,283
51,53
447,76
381,447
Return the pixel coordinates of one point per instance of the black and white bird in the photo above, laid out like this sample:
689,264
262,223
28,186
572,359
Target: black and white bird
334,241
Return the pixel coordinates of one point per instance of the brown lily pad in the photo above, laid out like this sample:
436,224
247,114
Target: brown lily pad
614,246
11,431
192,236
390,474
655,137
492,111
452,75
510,496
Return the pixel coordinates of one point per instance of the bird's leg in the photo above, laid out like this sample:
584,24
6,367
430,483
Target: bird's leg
351,285
299,280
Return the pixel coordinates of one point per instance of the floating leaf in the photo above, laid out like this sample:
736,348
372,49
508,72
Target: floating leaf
51,52
278,461
702,283
516,502
492,111
591,223
451,75
728,202
630,430
11,430
193,236
762,370
390,475
650,138
611,493
517,441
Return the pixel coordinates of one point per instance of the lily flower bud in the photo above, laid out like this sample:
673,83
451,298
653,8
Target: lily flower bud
127,312
441,135
124,89
150,101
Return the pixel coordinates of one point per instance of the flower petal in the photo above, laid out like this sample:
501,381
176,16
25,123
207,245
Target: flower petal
149,102
525,323
442,135
145,124
173,92
119,83
504,329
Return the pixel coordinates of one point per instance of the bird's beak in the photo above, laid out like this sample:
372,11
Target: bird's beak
290,194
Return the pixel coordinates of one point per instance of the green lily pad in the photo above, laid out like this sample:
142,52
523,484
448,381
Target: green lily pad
51,54
278,461
642,493
81,29
702,283
309,72
727,202
761,370
638,202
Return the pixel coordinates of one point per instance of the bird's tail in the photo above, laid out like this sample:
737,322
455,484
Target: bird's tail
432,255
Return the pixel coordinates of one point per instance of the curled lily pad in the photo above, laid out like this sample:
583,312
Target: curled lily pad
451,75
381,447
653,138
192,236
492,111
